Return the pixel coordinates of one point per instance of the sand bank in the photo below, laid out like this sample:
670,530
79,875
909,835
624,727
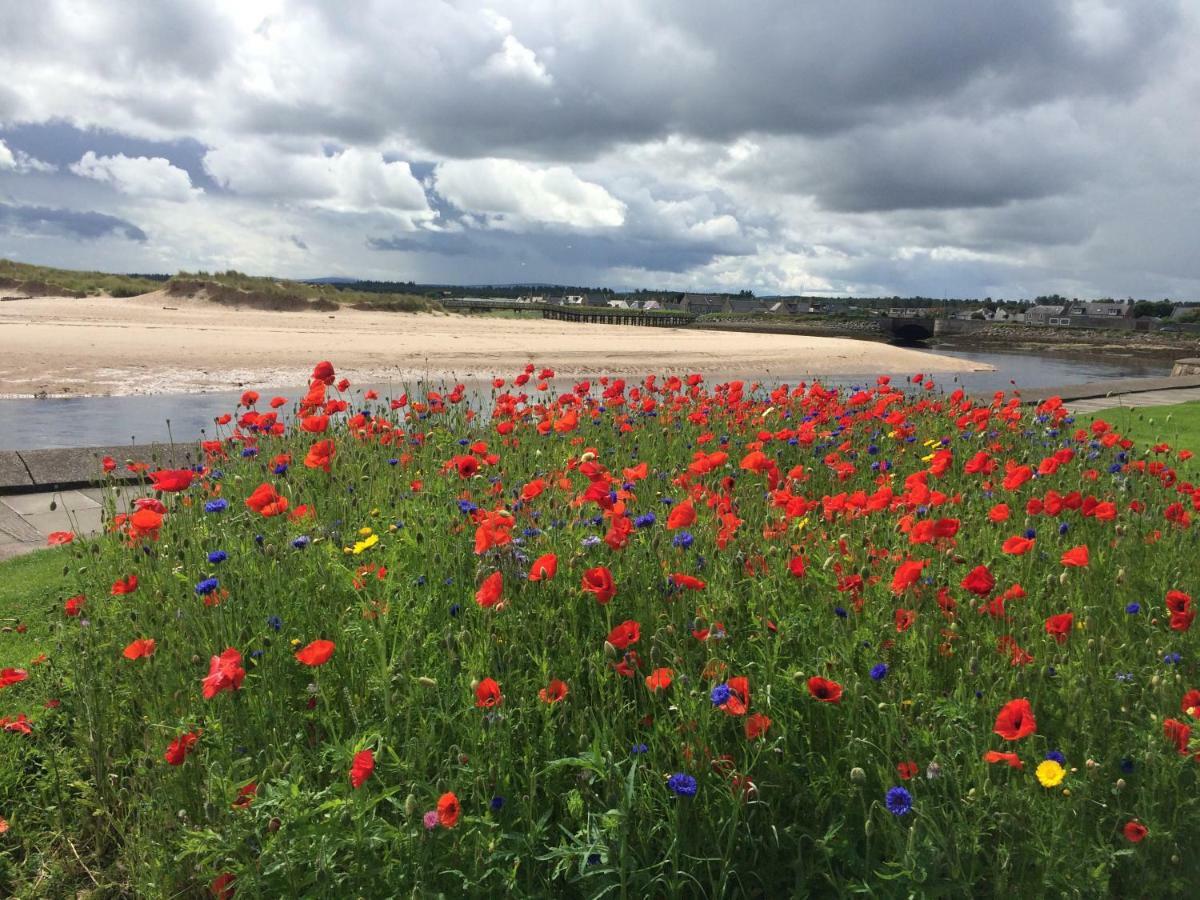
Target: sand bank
155,343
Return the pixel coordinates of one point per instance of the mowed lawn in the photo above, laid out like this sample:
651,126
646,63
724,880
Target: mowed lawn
28,585
1177,425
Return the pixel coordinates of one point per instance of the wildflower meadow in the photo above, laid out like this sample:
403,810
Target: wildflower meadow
645,638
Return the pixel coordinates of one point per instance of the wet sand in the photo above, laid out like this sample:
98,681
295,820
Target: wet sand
154,344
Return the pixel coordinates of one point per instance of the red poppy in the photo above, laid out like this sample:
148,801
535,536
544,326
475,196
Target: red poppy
448,810
907,574
320,455
225,673
553,692
323,372
682,516
490,590
904,619
625,634
1076,557
267,501
1017,545
979,581
1015,720
315,424
171,480
10,677
1190,703
18,725
688,582
1060,626
317,653
179,748
659,679
74,605
544,567
797,566
906,770
245,796
487,694
58,538
140,648
995,756
361,768
825,690
599,583
1135,832
999,513
126,585
1178,734
756,726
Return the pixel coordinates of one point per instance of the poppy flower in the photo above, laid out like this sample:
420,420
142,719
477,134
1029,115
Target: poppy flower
74,605
225,673
171,480
979,581
904,619
907,770
3,825
1076,557
682,516
1060,626
544,567
19,725
266,501
179,748
995,756
797,566
487,694
317,653
490,590
140,648
323,372
1190,703
320,455
1135,832
361,768
907,574
599,583
126,585
1015,720
659,679
1017,545
625,634
58,538
687,582
245,796
553,692
756,726
825,690
10,677
448,810
1177,734
738,699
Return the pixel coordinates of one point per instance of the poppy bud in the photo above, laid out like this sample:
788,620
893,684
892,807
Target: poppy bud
1062,579
474,683
1120,785
1121,576
410,805
195,659
609,650
274,825
857,775
1155,681
427,682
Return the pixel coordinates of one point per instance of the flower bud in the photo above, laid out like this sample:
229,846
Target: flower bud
857,775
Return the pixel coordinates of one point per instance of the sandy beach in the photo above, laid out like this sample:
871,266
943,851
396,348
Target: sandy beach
153,344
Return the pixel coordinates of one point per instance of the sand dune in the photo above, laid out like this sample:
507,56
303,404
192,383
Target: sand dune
161,344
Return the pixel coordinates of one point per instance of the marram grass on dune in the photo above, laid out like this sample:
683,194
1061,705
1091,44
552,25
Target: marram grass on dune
652,638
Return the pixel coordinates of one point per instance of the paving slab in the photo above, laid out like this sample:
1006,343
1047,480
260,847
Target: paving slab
14,528
13,474
1112,386
85,521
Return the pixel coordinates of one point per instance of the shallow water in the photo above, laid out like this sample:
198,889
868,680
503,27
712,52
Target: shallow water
102,421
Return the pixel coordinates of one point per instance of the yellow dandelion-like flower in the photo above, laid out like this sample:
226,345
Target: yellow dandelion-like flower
365,544
1050,773
365,532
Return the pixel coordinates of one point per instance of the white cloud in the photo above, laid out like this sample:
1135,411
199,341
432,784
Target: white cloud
21,162
515,60
138,176
512,192
353,180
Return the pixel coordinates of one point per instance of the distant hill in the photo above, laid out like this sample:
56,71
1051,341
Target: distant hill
330,279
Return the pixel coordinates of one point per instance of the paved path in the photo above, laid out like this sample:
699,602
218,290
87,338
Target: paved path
1113,388
1138,400
27,519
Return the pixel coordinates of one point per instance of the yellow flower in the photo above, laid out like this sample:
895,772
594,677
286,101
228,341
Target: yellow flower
360,546
365,532
1050,773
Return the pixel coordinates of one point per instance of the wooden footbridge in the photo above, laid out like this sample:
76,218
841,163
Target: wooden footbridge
596,315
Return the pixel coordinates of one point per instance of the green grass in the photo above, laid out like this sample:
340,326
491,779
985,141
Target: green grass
29,586
48,281
1177,425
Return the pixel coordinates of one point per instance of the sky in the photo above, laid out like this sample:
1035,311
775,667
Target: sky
869,147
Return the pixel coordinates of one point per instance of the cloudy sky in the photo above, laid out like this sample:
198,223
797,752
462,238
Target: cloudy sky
868,146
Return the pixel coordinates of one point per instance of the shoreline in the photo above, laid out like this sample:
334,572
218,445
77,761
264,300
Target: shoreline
64,348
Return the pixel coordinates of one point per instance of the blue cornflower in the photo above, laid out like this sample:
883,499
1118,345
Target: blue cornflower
1133,608
455,610
280,469
645,520
683,785
218,556
301,542
639,749
1030,533
466,506
591,540
275,623
207,586
1064,527
1126,765
593,859
497,804
899,801
879,671
840,612
684,539
1057,756
1172,659
216,506
720,695
248,452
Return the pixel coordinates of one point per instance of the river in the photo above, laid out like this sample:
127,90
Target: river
111,421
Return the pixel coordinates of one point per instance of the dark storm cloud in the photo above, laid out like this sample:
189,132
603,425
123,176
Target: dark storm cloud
453,244
16,219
